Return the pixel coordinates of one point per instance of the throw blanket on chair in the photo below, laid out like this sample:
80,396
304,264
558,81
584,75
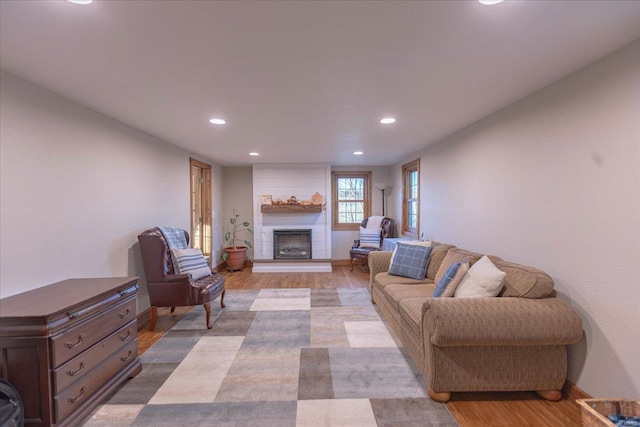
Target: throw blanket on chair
374,221
175,237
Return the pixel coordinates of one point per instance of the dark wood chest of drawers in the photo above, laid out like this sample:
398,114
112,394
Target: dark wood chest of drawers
67,346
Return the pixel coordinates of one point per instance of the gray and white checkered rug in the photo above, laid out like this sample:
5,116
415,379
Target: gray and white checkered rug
277,357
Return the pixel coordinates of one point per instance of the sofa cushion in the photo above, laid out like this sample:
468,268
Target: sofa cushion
411,312
523,281
438,252
446,279
370,237
396,293
454,255
410,261
450,290
382,280
483,280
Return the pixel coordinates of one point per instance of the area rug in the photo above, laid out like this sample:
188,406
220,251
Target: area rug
277,357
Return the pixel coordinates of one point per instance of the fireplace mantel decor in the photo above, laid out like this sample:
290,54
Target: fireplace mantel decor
291,208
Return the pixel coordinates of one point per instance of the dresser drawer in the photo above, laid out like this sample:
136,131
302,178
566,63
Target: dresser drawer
73,397
75,340
80,365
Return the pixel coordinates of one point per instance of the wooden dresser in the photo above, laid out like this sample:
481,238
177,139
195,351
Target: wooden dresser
66,346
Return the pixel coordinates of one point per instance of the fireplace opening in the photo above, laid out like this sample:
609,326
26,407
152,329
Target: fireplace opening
291,244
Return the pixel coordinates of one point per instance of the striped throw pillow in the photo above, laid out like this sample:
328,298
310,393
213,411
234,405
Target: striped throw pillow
190,261
370,237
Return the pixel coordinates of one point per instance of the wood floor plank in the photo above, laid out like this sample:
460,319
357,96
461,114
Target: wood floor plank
469,409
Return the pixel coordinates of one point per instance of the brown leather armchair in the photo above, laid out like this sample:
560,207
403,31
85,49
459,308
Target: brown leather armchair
167,289
388,226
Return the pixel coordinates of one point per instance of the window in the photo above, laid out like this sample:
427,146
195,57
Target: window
351,199
201,206
411,198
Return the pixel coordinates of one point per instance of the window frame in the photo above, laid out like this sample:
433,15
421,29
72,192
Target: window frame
335,175
407,169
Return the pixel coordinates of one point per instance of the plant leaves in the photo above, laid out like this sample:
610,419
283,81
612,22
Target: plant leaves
248,243
224,255
232,220
246,223
227,236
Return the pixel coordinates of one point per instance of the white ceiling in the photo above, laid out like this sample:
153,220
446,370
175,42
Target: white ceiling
305,81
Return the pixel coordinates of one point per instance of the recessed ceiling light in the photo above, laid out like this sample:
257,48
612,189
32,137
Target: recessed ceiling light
253,153
83,2
490,2
217,121
358,153
388,120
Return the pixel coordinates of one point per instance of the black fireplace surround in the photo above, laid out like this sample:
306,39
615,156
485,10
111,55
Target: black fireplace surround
292,244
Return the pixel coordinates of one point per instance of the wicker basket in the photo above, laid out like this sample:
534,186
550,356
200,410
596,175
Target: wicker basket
595,411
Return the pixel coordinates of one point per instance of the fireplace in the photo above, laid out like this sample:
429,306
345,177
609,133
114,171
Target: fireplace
292,244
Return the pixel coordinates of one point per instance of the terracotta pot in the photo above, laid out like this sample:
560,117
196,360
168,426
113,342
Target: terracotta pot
236,258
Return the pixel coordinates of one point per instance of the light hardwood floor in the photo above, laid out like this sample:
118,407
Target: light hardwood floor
469,409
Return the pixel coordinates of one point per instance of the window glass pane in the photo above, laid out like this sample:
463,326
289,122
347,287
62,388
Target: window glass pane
413,186
412,214
350,189
350,212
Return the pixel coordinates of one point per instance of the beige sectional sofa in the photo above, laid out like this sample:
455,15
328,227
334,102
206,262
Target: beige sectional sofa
516,341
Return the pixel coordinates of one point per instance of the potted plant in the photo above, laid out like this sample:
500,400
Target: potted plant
233,254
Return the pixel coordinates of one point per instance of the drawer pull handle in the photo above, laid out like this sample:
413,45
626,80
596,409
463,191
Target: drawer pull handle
74,399
69,344
122,293
74,373
127,357
124,337
125,314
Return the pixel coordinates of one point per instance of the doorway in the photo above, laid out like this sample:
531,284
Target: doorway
201,206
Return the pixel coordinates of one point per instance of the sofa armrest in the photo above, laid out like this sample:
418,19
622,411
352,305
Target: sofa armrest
379,262
499,321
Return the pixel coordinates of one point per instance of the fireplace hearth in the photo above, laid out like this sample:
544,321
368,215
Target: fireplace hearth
292,244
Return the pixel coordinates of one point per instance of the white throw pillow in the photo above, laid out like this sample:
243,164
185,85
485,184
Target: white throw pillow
426,244
482,280
190,261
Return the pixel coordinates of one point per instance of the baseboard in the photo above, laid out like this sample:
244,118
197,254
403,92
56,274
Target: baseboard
570,391
143,318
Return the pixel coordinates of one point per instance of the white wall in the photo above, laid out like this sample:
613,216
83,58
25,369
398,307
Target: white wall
282,181
342,240
238,195
553,181
78,187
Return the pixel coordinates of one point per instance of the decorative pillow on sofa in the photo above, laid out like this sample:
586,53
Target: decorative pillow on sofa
426,244
370,237
457,279
482,280
451,279
410,261
190,261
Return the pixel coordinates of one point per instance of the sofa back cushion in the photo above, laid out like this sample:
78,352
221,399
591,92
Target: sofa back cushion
452,256
524,281
438,252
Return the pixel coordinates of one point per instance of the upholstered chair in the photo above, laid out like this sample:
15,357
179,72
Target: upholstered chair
359,253
167,289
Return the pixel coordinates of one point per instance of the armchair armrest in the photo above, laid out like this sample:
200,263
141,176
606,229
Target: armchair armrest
499,321
176,278
356,244
379,262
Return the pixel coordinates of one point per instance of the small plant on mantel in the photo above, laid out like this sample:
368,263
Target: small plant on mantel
233,254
